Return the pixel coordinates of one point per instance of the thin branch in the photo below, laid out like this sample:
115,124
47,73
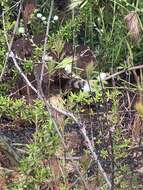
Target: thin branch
10,152
123,71
45,42
6,170
107,78
11,42
44,4
15,5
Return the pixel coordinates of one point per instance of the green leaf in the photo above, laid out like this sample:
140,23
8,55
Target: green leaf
66,61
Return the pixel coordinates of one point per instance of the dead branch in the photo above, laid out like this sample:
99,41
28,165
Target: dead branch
123,71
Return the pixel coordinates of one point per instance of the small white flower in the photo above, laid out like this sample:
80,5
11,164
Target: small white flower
21,30
86,87
39,15
102,77
68,68
55,18
43,18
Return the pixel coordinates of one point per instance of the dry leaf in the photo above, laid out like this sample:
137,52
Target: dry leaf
137,129
58,103
55,167
139,108
133,25
28,9
140,170
73,141
70,168
2,180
